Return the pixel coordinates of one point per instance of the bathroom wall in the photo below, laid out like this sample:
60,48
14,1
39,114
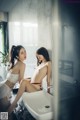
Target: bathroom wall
69,61
36,16
36,11
69,42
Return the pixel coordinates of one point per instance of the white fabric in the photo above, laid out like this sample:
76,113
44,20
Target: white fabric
5,91
12,77
44,83
1,79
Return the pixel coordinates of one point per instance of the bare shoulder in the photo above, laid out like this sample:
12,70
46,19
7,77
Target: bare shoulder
48,63
22,65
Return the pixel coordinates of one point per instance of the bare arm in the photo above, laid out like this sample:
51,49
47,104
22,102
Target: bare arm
22,70
48,74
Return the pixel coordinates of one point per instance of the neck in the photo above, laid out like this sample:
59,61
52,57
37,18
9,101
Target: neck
20,60
44,61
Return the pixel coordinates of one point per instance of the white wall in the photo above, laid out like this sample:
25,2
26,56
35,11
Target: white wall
35,12
30,26
69,41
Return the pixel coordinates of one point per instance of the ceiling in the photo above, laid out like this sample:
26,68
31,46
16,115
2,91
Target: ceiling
7,5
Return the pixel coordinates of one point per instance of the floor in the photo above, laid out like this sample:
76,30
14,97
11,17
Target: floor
22,115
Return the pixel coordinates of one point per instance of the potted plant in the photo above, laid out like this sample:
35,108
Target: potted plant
4,58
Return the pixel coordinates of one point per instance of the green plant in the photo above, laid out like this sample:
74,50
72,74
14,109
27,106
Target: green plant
4,58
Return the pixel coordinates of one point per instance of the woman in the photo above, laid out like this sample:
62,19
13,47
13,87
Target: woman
15,74
31,85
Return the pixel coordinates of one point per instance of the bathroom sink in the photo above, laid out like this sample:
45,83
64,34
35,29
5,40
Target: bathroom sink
39,104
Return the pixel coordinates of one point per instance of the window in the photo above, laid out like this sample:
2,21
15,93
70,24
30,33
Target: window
4,45
26,34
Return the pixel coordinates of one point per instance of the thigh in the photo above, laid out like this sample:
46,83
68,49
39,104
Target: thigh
31,87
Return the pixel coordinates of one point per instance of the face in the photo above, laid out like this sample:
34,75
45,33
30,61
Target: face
40,57
22,54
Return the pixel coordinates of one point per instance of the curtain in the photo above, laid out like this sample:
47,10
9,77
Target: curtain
30,26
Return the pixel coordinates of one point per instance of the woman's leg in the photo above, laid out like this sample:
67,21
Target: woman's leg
25,86
4,104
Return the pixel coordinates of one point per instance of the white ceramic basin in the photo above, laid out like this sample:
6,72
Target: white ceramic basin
39,104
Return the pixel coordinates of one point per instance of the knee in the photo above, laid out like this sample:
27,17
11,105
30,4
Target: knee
24,82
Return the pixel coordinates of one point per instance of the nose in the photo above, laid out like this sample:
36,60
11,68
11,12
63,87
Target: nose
25,54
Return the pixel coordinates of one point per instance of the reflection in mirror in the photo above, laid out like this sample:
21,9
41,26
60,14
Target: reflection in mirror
69,64
66,67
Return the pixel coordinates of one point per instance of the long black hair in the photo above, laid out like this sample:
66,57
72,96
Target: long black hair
43,51
14,54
